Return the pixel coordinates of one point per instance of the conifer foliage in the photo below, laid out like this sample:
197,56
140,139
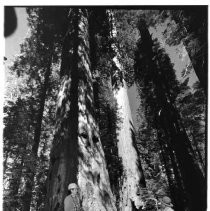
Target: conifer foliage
159,101
67,115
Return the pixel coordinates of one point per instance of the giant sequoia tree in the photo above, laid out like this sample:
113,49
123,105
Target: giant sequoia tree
77,154
107,109
133,181
90,138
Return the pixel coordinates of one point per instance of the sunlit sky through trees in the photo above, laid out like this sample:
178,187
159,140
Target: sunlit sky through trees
177,54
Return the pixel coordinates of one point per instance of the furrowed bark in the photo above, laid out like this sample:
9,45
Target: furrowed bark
133,178
133,181
77,155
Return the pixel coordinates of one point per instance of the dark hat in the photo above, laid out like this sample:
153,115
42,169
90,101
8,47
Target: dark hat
166,201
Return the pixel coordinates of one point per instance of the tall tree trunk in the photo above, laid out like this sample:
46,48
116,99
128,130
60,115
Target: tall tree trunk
193,178
194,181
31,167
172,126
77,155
133,178
166,161
175,181
198,153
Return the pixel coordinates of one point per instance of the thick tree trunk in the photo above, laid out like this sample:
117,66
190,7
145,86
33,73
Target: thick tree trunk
77,155
31,167
133,179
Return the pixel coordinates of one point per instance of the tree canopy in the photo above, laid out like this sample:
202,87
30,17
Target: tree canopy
62,117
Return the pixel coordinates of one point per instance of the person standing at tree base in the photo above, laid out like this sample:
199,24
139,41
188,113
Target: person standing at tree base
72,201
166,204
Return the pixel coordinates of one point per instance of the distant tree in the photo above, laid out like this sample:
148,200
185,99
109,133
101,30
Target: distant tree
18,132
44,33
35,63
160,79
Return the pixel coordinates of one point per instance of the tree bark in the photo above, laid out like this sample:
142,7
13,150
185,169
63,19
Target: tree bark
77,155
133,178
193,178
175,181
198,153
166,159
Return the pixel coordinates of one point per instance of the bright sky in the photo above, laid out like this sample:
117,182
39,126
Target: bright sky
178,55
13,41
